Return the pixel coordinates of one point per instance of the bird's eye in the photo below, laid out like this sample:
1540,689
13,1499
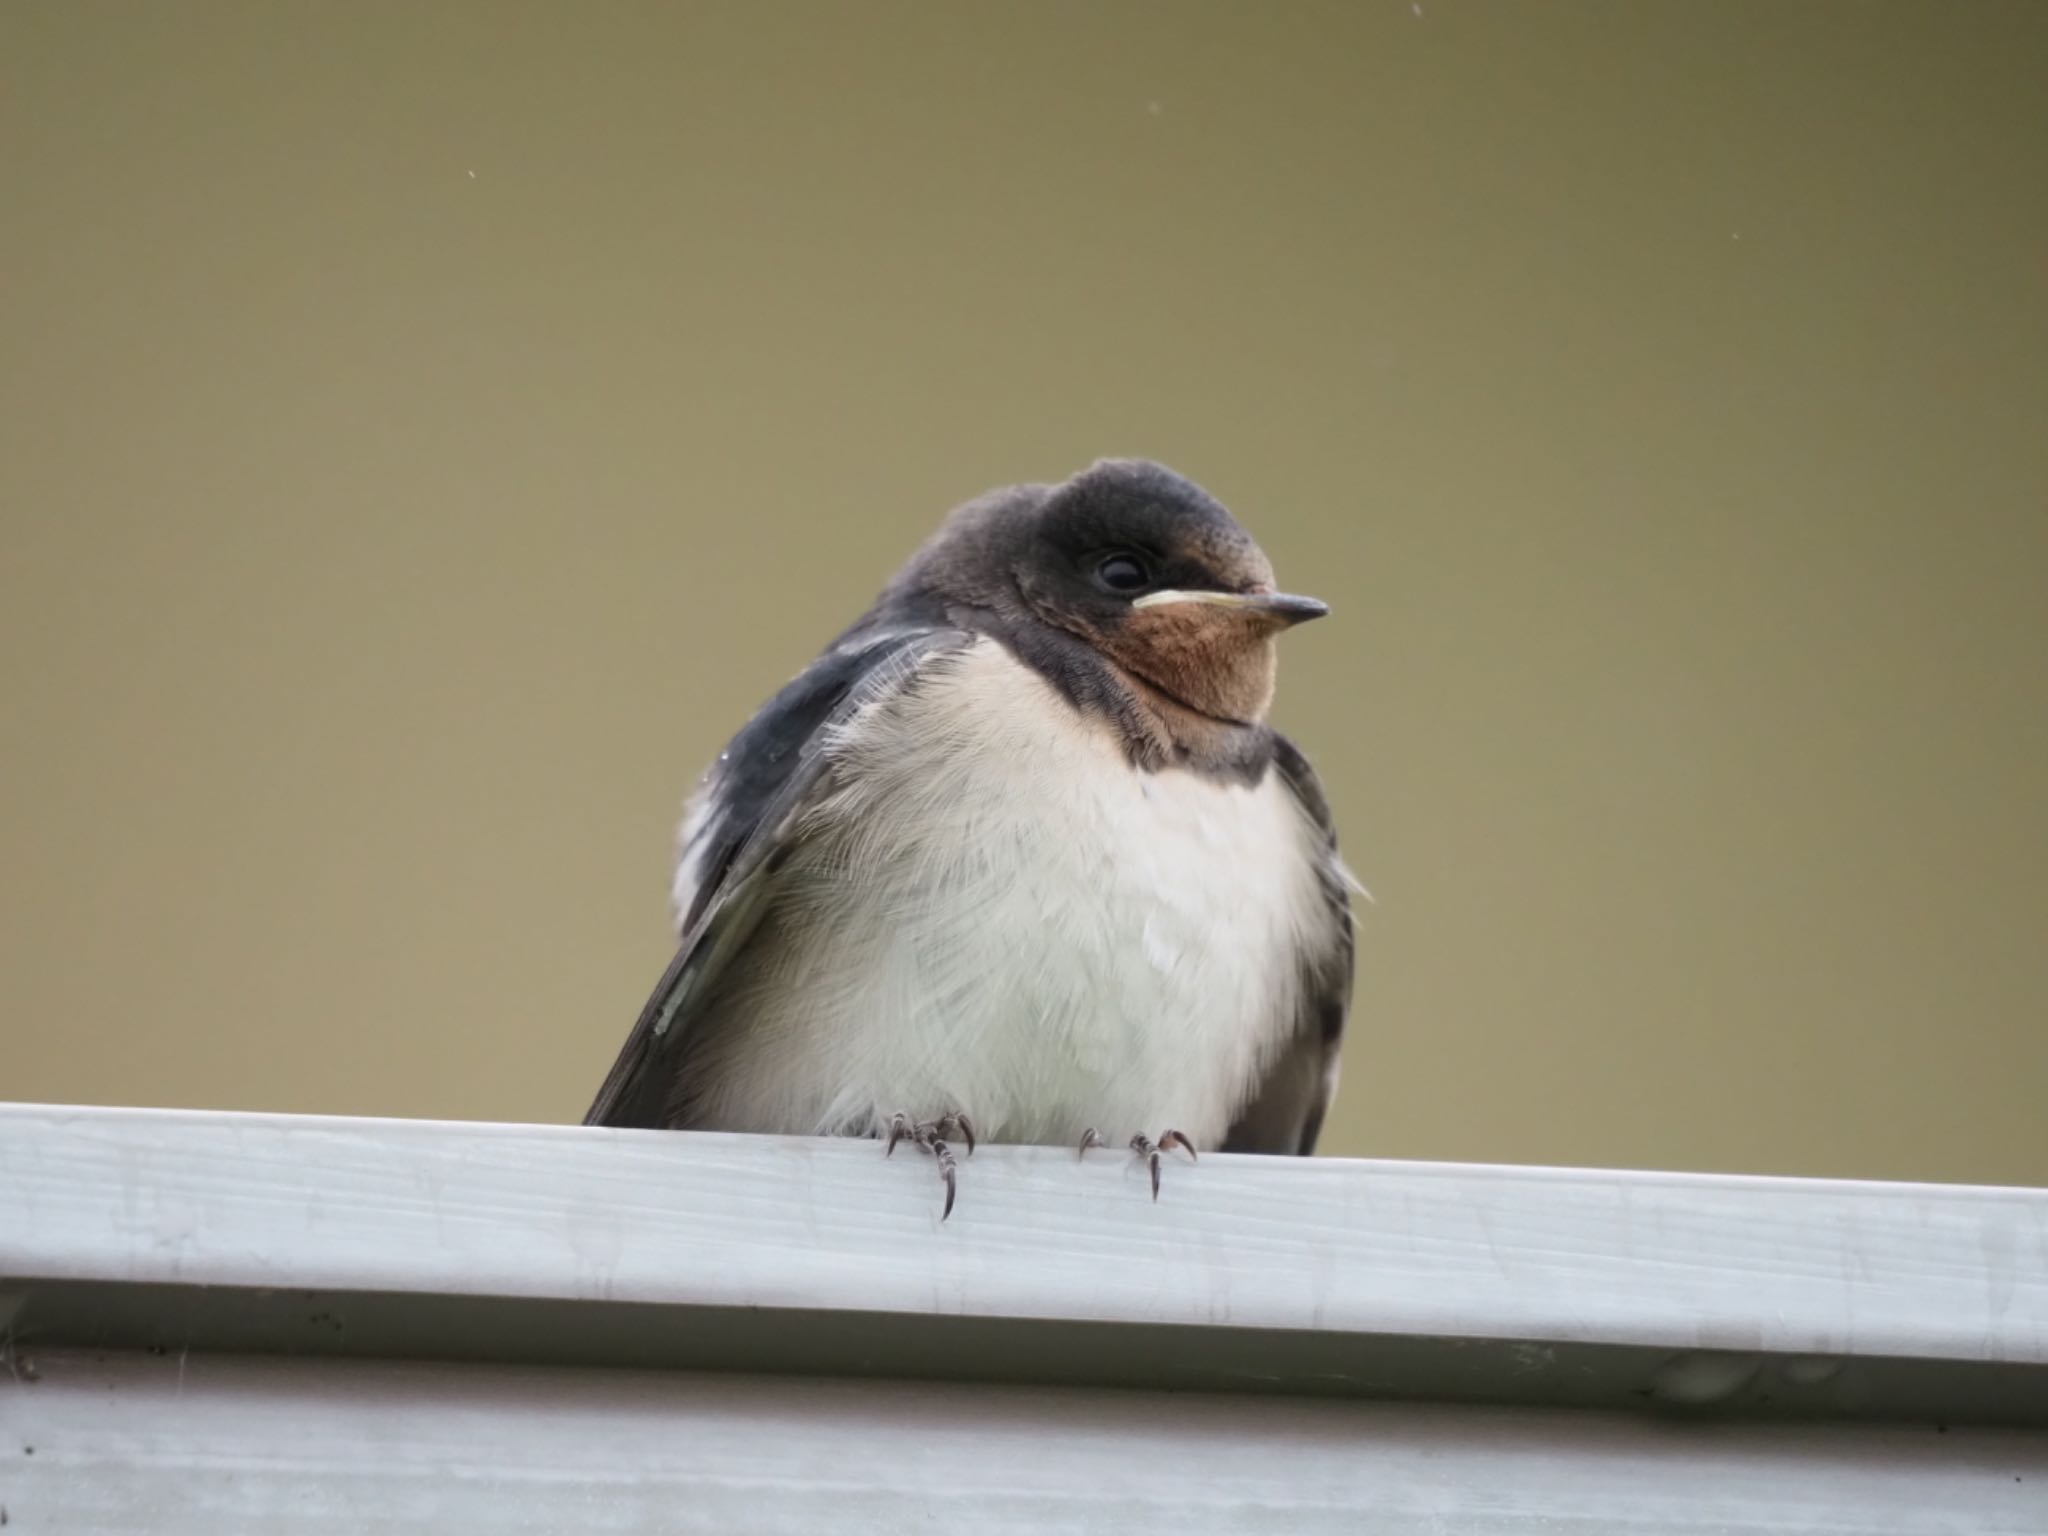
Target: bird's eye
1122,573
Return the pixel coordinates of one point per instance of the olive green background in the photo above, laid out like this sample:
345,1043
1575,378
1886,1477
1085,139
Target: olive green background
427,430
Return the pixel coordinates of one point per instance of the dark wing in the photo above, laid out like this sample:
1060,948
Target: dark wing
742,821
1287,1112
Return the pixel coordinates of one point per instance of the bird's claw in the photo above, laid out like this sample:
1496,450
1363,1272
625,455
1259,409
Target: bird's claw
931,1135
1149,1150
1146,1148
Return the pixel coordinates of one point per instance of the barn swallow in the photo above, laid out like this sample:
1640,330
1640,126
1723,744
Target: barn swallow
1017,857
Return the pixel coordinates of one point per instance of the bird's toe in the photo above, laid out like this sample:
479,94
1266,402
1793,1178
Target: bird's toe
931,1136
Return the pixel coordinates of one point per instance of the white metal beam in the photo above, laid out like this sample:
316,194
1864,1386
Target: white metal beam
1326,1245
220,1444
218,1322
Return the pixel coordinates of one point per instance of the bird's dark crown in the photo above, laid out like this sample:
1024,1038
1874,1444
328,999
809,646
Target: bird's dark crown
1046,543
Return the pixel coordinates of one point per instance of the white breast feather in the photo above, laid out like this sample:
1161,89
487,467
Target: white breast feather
994,913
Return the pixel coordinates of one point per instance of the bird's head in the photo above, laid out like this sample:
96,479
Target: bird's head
1139,563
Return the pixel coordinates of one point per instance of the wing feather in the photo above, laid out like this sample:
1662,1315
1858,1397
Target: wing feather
741,824
1286,1113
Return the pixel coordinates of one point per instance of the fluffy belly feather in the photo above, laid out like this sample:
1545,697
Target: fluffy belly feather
995,913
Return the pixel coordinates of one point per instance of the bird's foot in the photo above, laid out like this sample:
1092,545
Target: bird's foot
931,1135
1145,1147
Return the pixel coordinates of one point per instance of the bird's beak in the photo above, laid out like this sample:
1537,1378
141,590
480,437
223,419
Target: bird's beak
1281,608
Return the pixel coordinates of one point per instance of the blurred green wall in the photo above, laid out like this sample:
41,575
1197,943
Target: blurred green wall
427,430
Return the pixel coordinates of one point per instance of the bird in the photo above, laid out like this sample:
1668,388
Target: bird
1017,857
